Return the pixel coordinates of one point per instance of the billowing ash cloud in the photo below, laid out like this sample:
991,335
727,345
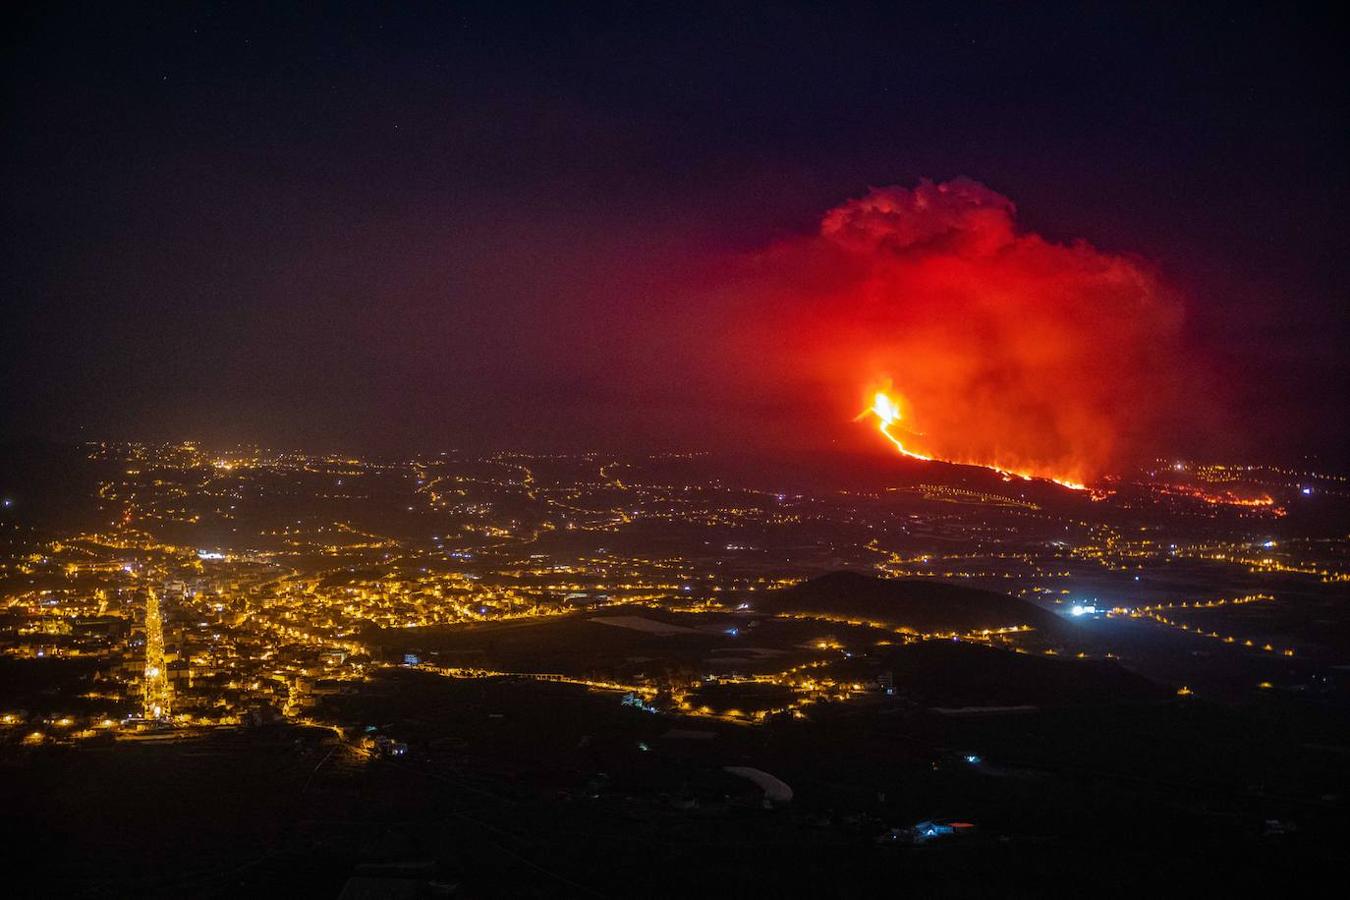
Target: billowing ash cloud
1005,348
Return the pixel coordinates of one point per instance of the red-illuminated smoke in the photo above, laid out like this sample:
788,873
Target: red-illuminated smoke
1000,348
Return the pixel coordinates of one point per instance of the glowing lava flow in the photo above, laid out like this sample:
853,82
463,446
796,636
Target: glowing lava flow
887,412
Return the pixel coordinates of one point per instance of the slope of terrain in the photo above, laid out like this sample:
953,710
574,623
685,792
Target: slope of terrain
924,606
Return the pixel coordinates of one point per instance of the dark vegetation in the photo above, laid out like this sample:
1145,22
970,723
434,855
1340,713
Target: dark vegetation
515,788
925,606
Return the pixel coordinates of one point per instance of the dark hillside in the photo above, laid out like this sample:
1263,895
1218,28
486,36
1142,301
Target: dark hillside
925,606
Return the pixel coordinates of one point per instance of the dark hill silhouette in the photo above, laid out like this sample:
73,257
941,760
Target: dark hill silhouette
925,606
50,485
950,673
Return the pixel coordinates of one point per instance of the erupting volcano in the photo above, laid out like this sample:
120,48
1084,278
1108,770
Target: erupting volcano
1032,357
887,413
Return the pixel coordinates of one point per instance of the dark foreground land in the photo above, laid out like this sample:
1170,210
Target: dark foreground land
519,788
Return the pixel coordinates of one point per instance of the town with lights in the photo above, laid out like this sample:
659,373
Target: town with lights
653,642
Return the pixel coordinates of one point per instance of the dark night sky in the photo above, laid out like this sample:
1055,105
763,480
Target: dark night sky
445,226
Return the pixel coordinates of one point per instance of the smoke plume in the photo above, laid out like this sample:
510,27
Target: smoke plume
1002,348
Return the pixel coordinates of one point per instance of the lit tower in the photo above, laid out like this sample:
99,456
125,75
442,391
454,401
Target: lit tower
156,678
